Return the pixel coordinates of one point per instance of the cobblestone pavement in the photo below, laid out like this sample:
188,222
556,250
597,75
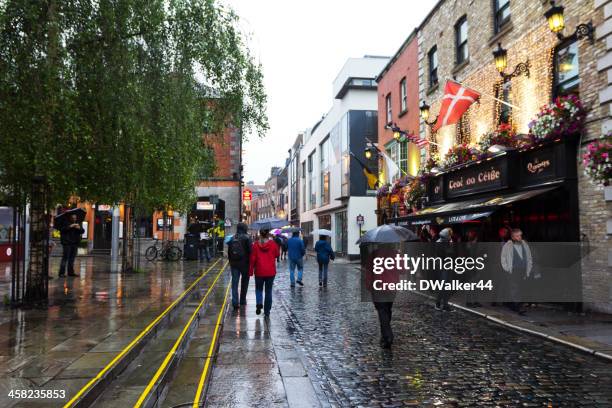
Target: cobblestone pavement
438,359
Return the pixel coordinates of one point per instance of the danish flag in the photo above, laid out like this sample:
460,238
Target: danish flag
457,99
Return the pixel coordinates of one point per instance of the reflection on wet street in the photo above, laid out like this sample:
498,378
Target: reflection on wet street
89,319
327,341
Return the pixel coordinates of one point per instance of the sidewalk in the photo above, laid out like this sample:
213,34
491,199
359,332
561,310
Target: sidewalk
591,332
259,363
89,319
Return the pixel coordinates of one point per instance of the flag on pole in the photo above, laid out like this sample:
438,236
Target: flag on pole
417,140
371,178
391,168
457,99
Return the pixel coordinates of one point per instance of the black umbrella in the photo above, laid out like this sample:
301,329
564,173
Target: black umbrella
64,218
387,234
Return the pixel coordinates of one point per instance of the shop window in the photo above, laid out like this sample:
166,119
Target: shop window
432,58
398,152
461,40
567,69
403,96
501,14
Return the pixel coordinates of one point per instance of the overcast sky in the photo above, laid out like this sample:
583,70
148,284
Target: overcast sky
302,45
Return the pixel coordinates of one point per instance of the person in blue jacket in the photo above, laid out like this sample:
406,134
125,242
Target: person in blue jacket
296,251
324,254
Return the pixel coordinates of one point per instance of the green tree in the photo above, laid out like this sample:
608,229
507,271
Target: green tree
107,100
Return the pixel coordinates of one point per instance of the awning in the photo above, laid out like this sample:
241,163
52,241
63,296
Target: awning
469,210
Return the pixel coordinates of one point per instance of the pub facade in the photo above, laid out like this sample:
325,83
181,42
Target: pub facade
515,158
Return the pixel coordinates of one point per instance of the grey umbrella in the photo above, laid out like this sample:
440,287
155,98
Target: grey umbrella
387,234
268,224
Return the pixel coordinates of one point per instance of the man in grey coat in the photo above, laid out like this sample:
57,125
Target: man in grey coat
517,261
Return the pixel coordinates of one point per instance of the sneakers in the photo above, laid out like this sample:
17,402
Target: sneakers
320,283
300,283
293,285
438,308
325,283
73,274
258,309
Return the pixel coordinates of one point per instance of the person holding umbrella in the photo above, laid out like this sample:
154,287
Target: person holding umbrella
325,253
296,250
383,241
71,234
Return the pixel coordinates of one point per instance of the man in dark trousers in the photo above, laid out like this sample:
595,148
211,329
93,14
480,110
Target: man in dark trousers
70,238
238,253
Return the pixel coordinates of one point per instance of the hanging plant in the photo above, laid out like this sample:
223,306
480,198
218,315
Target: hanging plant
563,117
504,135
383,190
414,193
596,161
460,154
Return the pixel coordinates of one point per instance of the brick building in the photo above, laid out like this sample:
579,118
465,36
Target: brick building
398,105
457,40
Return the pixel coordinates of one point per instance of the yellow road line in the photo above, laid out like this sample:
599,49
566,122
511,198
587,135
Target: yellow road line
127,348
198,396
177,343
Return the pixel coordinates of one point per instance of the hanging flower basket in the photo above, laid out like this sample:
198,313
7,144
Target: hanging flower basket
596,161
414,193
382,191
563,117
504,135
460,154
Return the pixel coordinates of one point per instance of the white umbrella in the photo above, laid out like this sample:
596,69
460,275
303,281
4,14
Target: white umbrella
322,232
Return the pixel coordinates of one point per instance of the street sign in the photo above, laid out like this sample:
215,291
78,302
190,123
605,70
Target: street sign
360,220
247,195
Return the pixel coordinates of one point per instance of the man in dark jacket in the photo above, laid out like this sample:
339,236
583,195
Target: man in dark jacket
70,238
238,253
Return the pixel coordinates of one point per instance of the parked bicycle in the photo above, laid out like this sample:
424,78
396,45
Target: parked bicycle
167,251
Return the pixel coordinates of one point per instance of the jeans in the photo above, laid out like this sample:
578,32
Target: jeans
384,310
259,288
237,274
204,252
323,271
300,267
69,252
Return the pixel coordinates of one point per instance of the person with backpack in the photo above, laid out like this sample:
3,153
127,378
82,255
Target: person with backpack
284,247
297,250
262,264
239,253
325,253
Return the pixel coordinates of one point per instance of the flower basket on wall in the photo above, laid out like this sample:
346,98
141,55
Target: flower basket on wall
564,116
460,154
504,135
596,161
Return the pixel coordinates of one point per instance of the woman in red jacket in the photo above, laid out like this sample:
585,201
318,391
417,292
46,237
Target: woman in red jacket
263,264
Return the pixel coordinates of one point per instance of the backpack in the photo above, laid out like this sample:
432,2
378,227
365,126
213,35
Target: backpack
236,250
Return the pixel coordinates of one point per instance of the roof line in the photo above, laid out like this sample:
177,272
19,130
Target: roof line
396,55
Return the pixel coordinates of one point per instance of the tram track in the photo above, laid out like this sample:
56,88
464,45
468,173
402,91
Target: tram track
91,393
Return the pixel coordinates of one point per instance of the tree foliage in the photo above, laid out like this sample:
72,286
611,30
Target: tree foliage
108,99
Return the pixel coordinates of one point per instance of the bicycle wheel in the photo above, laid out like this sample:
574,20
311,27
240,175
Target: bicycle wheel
151,253
174,253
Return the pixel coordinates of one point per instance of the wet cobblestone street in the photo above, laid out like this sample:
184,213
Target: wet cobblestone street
438,359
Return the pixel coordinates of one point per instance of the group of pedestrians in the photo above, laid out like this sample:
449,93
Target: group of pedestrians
259,259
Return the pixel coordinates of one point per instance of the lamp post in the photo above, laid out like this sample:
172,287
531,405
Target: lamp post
500,56
556,22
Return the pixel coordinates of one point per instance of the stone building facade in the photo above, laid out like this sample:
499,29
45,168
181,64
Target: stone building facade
526,36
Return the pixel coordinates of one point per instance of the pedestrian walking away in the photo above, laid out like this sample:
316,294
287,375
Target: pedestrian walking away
325,253
204,246
264,253
284,247
70,238
239,253
279,242
296,251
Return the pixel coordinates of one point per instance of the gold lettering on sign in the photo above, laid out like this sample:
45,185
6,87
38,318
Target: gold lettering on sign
537,166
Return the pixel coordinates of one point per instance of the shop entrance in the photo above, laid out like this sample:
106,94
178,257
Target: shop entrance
103,228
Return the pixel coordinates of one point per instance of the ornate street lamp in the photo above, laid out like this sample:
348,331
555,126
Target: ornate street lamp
556,23
501,63
369,152
424,109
